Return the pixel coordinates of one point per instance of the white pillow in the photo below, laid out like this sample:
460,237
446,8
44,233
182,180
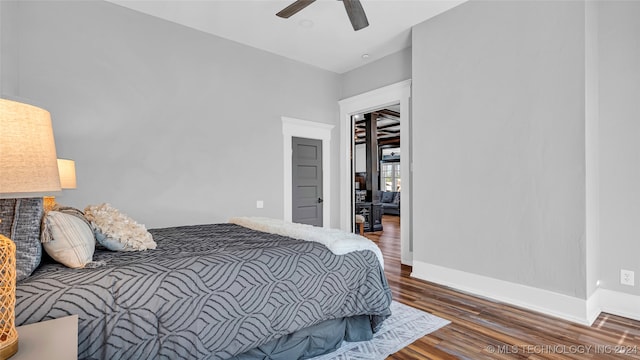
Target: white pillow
117,231
72,243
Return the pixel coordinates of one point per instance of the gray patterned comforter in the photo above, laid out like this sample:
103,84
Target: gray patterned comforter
208,291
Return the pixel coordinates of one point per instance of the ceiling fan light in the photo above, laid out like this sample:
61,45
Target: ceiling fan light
306,23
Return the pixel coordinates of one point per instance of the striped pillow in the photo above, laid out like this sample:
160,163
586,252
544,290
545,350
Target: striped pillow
72,243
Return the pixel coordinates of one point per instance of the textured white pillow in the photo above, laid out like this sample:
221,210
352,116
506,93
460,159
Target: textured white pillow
117,231
72,243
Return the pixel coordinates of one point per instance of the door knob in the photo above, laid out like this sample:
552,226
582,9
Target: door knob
320,200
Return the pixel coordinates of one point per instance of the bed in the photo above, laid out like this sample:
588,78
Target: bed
214,291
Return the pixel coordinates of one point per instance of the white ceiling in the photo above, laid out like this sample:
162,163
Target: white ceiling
320,35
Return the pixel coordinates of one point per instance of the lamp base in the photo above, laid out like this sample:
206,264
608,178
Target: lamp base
7,350
8,332
49,202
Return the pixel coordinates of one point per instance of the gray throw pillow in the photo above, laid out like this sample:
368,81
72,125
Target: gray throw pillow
21,220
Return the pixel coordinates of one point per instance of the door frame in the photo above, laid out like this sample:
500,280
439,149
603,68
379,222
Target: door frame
311,130
392,94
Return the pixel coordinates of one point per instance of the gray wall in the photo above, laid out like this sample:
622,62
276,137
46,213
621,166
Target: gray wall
8,48
619,59
592,149
171,125
499,167
388,70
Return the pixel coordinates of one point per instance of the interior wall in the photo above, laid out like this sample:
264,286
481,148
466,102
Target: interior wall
169,124
2,54
389,70
8,48
499,108
592,148
619,88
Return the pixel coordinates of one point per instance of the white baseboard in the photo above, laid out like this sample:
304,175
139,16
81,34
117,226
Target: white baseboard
618,303
544,301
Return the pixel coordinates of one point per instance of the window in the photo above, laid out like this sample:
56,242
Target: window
390,176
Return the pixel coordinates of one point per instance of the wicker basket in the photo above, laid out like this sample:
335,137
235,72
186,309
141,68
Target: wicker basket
8,333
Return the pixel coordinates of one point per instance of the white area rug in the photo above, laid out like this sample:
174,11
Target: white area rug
404,326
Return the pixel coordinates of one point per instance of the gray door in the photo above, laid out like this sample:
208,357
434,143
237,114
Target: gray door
307,181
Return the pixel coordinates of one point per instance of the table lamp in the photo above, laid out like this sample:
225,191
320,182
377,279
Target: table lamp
28,168
67,171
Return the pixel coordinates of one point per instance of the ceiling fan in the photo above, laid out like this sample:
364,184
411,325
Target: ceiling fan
354,10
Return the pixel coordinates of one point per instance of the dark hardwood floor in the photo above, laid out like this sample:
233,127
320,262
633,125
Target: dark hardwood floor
485,329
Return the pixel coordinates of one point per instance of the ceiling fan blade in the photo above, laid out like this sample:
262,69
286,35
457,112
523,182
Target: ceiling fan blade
356,14
294,8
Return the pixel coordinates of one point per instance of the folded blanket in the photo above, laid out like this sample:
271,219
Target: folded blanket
338,241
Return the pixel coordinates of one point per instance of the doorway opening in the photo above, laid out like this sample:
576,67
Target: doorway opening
398,93
376,167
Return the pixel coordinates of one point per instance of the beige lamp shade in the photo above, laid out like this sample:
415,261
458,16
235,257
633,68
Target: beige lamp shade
28,166
67,171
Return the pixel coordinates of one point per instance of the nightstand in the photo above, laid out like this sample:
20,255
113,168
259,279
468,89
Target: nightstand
52,340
